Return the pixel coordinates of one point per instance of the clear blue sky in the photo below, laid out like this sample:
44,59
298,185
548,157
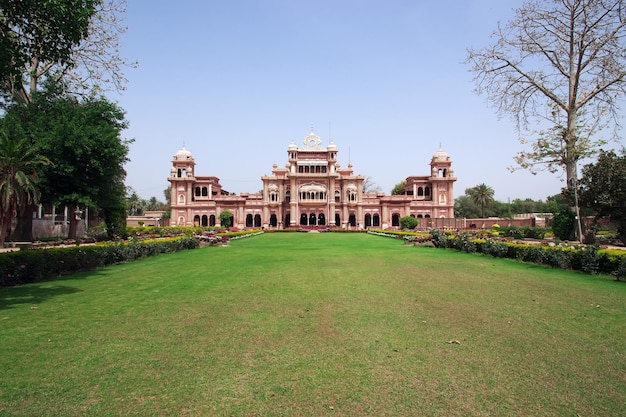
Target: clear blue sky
236,81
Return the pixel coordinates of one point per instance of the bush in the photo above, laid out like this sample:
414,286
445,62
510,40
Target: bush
34,265
563,224
408,223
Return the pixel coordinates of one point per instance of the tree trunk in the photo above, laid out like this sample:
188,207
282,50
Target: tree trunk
74,219
24,229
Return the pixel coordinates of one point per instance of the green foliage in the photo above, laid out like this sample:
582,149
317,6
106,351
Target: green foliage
398,188
408,223
45,32
226,219
19,162
482,196
602,188
25,266
587,258
563,224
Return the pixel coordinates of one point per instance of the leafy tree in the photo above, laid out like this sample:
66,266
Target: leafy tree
398,188
134,204
465,207
225,219
603,188
82,140
76,40
481,195
562,64
408,222
19,163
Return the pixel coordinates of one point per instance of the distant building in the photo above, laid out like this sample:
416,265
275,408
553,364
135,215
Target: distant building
311,190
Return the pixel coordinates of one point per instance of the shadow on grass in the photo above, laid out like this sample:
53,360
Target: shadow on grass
33,294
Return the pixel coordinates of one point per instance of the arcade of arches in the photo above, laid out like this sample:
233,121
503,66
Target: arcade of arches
311,190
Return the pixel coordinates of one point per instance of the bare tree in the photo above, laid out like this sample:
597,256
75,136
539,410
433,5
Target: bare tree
559,69
562,65
370,187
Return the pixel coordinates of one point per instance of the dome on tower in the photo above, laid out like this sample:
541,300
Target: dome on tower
292,146
332,146
440,155
183,154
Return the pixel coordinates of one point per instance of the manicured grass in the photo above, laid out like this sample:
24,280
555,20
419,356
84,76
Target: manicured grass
315,325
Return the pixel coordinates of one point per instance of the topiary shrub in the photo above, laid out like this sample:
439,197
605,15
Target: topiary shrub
563,224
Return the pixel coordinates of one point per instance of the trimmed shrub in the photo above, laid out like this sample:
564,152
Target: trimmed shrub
34,265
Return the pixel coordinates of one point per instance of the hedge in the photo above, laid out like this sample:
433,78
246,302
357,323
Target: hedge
585,258
34,265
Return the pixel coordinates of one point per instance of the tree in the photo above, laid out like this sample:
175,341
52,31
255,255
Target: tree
370,187
465,207
408,223
561,64
18,178
481,195
82,140
73,40
603,188
225,219
399,188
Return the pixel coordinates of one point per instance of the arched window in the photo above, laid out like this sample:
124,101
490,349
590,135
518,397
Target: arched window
249,220
287,220
312,219
337,196
321,219
197,191
420,191
337,219
205,220
427,191
375,220
196,220
273,220
212,220
205,192
303,219
352,220
181,221
395,220
181,199
257,220
368,220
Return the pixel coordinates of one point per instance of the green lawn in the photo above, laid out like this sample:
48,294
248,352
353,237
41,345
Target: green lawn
315,325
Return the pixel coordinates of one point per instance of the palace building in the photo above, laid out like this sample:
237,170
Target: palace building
312,191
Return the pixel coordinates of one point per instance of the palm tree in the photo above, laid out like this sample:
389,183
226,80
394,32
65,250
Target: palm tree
481,195
18,179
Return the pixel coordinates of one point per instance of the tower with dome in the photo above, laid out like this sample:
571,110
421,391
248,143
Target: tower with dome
312,190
